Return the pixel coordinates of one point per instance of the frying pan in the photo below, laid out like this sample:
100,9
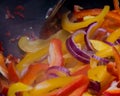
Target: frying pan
34,12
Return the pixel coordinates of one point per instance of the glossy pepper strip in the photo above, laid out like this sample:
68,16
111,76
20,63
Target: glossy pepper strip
4,86
74,88
12,73
81,70
70,26
117,60
33,72
111,68
114,36
77,87
30,58
99,45
55,57
51,84
107,52
18,87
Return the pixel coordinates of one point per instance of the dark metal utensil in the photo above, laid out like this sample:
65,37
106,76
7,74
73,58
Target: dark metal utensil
52,23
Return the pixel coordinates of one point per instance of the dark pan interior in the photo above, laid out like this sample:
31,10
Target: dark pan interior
34,12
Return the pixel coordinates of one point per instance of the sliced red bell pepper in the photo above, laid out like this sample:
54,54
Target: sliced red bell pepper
55,57
79,91
78,86
51,84
12,73
4,86
33,72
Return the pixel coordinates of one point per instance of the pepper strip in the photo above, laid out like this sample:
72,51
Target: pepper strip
107,52
74,88
70,26
18,87
111,68
117,60
55,57
51,84
33,72
12,73
30,58
116,4
88,12
113,36
77,87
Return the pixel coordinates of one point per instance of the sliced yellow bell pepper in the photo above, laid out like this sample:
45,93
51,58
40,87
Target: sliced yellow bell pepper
107,52
99,45
18,87
26,93
70,26
50,85
114,36
93,62
30,58
100,74
87,94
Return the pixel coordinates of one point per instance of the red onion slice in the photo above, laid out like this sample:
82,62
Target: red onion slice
99,31
94,86
52,71
100,59
52,75
109,43
87,36
83,54
75,47
118,41
76,55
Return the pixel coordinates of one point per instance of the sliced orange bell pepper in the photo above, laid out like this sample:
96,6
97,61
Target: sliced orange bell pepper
55,57
111,68
33,72
117,60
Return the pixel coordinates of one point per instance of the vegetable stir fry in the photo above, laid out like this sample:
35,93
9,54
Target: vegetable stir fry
82,59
